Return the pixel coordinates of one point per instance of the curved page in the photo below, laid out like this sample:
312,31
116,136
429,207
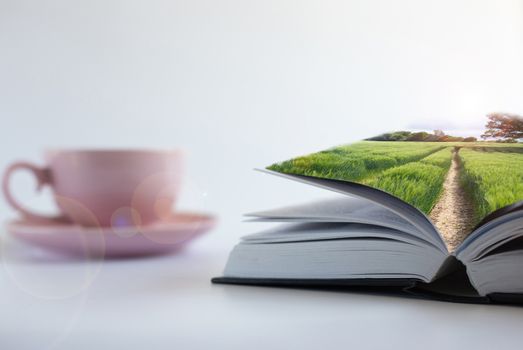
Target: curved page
455,183
340,210
395,205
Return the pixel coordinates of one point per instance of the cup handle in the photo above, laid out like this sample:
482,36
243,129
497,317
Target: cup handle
43,178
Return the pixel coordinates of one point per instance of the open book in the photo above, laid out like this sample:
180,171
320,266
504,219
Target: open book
384,233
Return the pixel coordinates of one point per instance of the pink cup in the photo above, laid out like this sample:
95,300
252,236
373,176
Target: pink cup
106,187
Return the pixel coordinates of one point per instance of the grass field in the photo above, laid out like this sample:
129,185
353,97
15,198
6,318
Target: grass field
415,171
419,183
494,178
358,161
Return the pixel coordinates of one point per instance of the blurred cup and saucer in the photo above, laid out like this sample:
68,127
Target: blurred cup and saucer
111,203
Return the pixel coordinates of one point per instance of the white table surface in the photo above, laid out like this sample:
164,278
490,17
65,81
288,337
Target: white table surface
169,303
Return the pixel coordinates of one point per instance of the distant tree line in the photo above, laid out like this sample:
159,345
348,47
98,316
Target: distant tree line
422,136
500,127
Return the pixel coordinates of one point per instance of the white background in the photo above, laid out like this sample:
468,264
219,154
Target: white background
238,84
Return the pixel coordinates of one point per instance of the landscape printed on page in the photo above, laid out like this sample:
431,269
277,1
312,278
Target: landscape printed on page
456,181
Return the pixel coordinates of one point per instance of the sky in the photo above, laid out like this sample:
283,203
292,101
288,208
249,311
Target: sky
472,127
240,84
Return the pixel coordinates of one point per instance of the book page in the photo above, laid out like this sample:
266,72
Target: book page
344,209
493,255
456,182
319,231
395,205
333,251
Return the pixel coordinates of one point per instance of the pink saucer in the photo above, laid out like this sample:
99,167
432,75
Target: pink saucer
98,242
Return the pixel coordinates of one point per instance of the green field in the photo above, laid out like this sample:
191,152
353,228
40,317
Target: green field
358,161
415,171
493,177
419,183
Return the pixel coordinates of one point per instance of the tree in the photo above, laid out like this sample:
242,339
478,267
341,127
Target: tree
418,136
391,136
400,135
422,136
432,138
504,126
439,133
448,138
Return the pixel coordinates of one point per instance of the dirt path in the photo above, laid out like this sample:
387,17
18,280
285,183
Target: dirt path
453,214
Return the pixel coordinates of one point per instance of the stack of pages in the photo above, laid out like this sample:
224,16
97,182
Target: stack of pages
441,220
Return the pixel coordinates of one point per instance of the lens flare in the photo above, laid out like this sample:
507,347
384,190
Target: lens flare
71,263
